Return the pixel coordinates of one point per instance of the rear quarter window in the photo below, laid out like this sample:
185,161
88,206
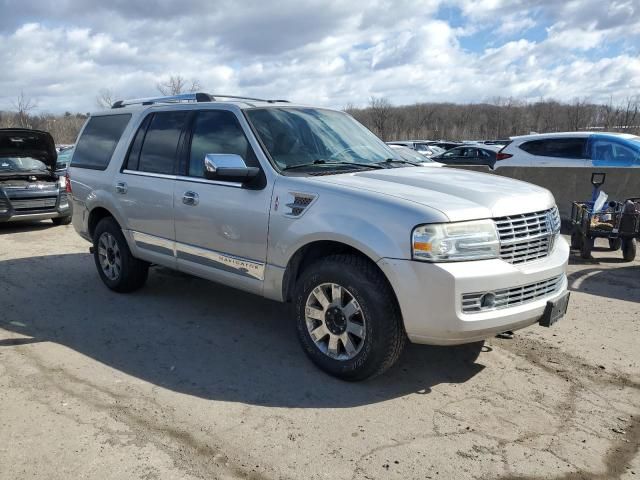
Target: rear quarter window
556,147
98,141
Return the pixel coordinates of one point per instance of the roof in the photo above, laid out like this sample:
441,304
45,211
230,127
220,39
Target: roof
582,134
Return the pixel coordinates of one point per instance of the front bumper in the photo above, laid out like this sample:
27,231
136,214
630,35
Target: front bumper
430,295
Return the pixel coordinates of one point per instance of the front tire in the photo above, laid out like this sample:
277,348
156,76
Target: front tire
586,247
347,318
118,269
615,244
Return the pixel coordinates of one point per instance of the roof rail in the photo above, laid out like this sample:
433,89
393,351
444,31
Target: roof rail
236,97
186,97
183,97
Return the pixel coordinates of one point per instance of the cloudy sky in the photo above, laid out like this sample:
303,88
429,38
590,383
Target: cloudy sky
321,52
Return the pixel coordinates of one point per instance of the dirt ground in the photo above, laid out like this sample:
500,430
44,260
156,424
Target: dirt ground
186,379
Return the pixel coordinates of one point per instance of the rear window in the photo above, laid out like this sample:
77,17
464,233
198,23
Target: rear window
556,147
98,141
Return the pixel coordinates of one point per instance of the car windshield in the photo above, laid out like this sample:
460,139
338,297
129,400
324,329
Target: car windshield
64,158
21,164
410,155
296,137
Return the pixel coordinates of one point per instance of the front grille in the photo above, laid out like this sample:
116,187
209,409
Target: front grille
29,204
529,236
510,297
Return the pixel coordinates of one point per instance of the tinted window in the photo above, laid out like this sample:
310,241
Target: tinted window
133,158
217,131
614,153
455,152
160,144
556,147
99,140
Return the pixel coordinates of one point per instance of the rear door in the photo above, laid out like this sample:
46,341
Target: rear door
145,185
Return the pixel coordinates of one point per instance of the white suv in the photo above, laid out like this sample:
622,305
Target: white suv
571,149
304,205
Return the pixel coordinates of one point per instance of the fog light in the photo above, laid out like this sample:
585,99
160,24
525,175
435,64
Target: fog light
488,300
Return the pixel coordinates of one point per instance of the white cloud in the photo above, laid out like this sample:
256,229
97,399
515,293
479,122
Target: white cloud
330,53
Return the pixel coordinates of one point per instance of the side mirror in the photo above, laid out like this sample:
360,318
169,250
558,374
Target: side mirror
228,167
597,179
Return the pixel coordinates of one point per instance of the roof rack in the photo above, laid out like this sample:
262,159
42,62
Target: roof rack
185,97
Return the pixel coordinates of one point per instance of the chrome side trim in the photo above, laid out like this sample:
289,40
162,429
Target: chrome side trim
239,265
156,244
149,174
202,256
183,178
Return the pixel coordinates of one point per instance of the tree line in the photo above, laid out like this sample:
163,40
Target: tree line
497,119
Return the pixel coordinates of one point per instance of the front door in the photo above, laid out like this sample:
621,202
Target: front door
221,227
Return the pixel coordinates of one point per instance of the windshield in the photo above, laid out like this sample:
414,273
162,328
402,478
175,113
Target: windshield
64,158
21,164
410,155
302,136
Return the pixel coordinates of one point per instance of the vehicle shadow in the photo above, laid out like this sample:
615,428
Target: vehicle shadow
7,228
622,283
198,338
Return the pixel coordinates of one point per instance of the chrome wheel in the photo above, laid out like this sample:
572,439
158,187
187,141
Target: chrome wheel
335,321
109,255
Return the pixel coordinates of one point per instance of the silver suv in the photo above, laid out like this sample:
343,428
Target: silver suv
304,205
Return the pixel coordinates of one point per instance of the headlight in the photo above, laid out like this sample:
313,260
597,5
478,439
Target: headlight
62,181
454,242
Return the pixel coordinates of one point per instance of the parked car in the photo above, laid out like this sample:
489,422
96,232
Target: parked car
410,155
445,145
30,189
305,205
418,145
470,154
64,158
572,149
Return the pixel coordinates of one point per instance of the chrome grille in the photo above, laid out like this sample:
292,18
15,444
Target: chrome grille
529,236
510,297
33,203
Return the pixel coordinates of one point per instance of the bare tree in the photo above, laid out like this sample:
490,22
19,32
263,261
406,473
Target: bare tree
380,111
177,84
22,106
105,98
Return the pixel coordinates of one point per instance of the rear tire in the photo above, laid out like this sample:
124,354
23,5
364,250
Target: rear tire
118,269
586,247
61,220
629,246
379,336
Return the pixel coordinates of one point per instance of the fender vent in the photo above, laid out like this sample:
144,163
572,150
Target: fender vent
298,203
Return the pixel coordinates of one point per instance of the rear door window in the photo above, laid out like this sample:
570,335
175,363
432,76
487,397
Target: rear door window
556,147
98,141
160,144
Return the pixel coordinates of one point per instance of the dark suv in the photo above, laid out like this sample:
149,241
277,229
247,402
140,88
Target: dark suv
30,189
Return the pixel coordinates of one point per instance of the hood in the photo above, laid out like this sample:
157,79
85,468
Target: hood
23,142
459,194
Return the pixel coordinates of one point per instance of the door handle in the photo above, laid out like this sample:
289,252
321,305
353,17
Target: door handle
121,188
190,198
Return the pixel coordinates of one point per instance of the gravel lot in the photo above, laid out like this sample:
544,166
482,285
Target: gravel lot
187,379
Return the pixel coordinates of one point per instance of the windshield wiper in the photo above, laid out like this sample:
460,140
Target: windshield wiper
397,160
330,163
